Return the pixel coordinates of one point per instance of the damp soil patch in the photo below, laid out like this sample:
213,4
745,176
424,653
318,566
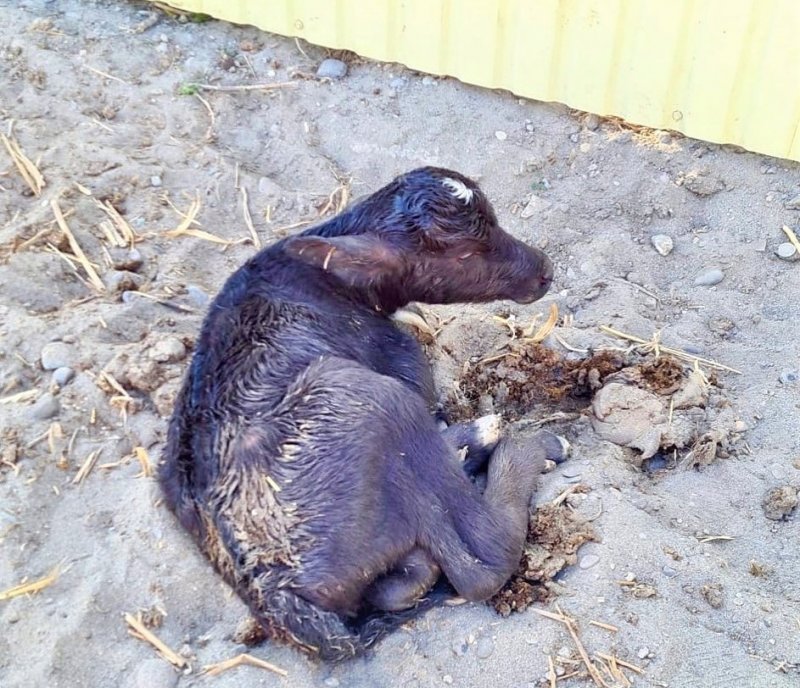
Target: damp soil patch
555,533
528,378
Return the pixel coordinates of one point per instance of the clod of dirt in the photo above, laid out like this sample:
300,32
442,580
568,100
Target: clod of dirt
758,570
648,405
532,375
713,594
663,375
133,371
702,183
706,449
643,591
657,408
780,502
630,417
693,393
153,617
555,534
11,450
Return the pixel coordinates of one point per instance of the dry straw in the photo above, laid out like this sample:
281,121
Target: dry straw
77,251
26,168
242,660
138,630
32,587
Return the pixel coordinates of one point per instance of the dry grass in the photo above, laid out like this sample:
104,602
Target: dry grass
137,629
77,251
244,87
654,345
32,587
144,460
86,466
20,397
122,401
541,334
118,232
26,168
242,660
106,75
188,219
603,667
248,219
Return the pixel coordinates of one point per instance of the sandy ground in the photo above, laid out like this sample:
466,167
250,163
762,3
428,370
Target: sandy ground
93,92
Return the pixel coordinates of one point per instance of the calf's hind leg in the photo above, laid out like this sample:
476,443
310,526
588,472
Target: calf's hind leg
408,581
403,586
478,539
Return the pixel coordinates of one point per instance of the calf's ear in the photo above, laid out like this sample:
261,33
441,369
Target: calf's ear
357,260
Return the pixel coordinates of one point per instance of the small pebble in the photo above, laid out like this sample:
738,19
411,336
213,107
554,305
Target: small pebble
789,377
13,617
793,204
155,181
533,206
46,407
122,280
124,259
710,277
331,682
500,135
588,561
331,69
398,83
154,672
197,296
485,647
786,251
448,679
268,187
777,471
428,81
167,350
643,652
740,426
592,121
662,243
57,355
571,472
668,571
62,375
780,502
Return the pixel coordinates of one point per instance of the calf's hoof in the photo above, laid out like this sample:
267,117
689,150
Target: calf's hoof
556,448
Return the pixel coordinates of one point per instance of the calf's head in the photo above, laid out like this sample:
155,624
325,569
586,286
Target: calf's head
431,236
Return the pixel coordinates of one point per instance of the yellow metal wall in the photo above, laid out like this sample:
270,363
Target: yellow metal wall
726,71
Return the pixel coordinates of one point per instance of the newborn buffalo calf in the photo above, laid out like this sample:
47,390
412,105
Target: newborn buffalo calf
303,454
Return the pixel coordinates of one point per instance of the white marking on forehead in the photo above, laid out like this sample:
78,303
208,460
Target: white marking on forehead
459,189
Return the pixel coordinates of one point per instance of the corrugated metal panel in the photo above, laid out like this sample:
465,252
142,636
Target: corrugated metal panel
721,70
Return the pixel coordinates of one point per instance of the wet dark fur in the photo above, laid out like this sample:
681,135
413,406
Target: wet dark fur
303,455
